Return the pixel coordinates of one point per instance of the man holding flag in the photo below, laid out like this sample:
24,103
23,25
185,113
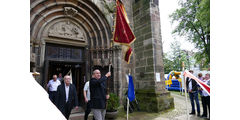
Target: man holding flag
192,88
98,94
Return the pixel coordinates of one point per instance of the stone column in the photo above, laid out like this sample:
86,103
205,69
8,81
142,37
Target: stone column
117,71
151,94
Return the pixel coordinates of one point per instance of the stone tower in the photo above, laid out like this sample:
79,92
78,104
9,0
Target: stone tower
149,69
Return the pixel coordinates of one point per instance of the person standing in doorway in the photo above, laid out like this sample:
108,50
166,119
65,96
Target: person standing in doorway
52,88
98,94
206,98
60,78
67,97
192,88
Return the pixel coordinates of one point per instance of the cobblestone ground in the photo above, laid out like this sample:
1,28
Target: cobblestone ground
179,113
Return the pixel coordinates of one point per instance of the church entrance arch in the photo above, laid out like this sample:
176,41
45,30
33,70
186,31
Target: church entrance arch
70,35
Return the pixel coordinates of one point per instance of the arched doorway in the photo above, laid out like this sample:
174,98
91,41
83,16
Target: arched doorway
69,35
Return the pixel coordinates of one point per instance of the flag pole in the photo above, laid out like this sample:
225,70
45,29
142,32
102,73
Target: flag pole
109,58
127,107
129,71
182,77
70,74
185,91
182,85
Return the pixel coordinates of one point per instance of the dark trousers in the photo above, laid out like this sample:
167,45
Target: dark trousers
206,104
194,96
67,110
52,96
87,111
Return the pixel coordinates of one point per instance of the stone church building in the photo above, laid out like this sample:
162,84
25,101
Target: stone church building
76,35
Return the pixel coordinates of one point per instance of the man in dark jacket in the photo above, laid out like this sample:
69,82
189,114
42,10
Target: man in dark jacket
192,88
66,97
98,94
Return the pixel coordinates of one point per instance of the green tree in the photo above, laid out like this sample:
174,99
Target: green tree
176,55
194,22
173,60
168,63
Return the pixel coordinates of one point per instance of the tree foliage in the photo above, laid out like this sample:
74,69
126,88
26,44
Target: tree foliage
194,22
168,64
173,60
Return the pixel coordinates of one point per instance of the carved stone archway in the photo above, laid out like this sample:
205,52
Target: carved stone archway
78,23
83,12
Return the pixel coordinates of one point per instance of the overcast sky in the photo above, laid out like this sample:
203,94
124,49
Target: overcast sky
166,8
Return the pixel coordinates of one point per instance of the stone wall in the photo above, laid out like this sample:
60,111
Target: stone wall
143,47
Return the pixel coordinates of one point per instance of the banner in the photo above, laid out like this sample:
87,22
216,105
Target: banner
122,32
128,55
204,86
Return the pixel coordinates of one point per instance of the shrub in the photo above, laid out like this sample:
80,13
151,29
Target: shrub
112,103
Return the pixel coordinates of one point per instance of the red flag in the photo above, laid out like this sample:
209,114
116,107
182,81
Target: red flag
204,86
122,32
128,55
123,10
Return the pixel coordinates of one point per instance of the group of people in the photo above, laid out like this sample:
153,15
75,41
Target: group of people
194,89
64,95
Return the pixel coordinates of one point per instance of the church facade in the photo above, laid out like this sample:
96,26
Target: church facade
76,36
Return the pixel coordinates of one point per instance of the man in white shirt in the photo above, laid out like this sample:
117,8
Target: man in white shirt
52,88
86,93
206,98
